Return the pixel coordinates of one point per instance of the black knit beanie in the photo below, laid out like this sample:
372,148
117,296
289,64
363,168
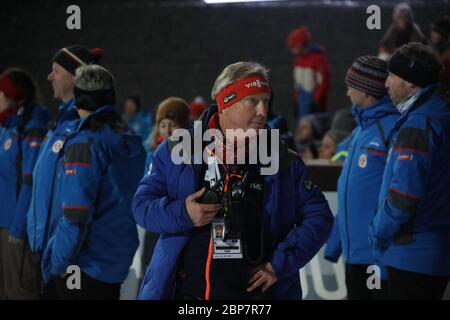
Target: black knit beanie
71,57
413,70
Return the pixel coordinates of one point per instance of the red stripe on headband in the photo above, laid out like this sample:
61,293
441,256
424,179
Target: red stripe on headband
240,89
8,87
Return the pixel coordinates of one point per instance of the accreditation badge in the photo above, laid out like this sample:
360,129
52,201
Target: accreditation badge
224,249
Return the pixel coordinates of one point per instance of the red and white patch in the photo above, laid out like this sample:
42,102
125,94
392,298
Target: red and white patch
57,146
34,144
7,145
362,162
405,157
70,172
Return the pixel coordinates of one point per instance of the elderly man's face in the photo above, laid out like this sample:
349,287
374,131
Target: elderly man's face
398,88
62,82
249,113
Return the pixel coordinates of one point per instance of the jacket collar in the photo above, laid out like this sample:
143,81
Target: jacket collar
82,123
8,117
369,115
67,111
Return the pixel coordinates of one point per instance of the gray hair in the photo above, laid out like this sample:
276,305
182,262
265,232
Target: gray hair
93,77
235,72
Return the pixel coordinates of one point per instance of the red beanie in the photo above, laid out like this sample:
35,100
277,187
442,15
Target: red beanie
9,89
299,38
197,107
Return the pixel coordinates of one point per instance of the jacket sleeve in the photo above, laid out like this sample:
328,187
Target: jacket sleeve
333,250
410,156
80,184
313,225
30,149
323,80
153,208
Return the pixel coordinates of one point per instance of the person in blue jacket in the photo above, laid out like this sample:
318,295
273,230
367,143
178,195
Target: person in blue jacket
410,232
23,124
64,64
97,178
136,117
230,231
360,180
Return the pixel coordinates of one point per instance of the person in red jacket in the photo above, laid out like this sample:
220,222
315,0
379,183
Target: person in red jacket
311,73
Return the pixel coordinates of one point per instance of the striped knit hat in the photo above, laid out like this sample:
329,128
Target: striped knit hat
71,57
368,74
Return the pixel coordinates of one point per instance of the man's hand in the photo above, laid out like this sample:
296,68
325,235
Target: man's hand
263,275
201,214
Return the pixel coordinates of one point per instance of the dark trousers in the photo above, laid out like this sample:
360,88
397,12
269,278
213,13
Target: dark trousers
150,241
48,291
91,289
19,269
406,285
356,281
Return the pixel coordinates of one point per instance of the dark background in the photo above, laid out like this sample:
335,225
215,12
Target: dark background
165,48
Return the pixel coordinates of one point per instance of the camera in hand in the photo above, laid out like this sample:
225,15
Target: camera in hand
235,186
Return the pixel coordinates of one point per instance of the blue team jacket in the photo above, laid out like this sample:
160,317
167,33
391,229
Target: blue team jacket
296,220
97,178
411,229
18,154
360,181
44,177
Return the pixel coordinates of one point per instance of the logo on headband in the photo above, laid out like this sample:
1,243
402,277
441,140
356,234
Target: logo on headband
257,83
229,97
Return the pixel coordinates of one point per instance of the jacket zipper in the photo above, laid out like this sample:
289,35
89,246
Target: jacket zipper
346,195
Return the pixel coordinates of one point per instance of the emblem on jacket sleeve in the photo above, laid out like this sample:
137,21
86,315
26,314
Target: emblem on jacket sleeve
7,145
362,162
57,146
308,184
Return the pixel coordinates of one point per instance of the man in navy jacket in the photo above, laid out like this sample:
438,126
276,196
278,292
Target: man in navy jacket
410,233
249,249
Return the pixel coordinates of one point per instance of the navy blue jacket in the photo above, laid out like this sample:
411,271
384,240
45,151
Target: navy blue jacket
97,178
411,229
360,181
19,149
296,219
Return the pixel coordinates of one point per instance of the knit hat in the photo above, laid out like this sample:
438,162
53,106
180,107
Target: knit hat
88,94
71,57
197,107
175,109
17,84
368,74
417,72
299,38
9,88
